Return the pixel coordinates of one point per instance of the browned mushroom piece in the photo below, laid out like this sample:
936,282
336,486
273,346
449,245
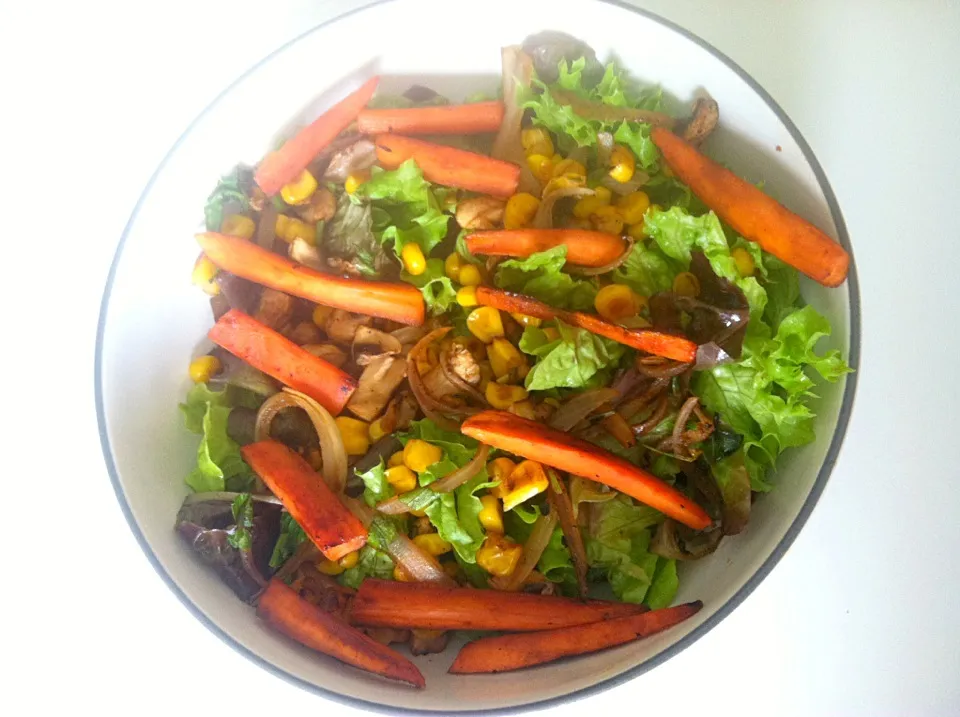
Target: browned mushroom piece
322,206
425,642
706,114
480,213
275,309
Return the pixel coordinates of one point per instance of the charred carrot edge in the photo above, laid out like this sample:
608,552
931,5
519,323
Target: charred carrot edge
285,164
564,452
445,119
277,356
385,603
753,214
398,302
281,608
450,166
511,652
584,247
654,342
326,521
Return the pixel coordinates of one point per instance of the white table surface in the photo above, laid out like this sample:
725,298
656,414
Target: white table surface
861,617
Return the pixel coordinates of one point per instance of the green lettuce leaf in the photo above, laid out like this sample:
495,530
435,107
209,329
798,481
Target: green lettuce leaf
376,488
458,448
228,197
572,361
647,270
541,276
437,288
555,564
349,236
291,535
219,465
242,509
371,563
663,589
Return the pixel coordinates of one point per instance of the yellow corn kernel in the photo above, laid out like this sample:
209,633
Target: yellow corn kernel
470,276
467,296
499,555
203,275
485,323
541,165
607,219
499,470
633,206
587,206
520,210
401,575
375,430
524,409
602,193
525,320
616,301
536,140
355,179
401,478
567,181
419,455
686,284
551,333
744,260
355,434
635,231
396,459
238,225
525,481
504,357
300,189
413,260
432,544
501,395
490,515
289,228
349,560
330,567
569,168
623,164
321,314
452,266
204,368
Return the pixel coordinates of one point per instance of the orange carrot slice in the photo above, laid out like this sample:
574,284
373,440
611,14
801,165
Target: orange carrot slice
584,247
444,119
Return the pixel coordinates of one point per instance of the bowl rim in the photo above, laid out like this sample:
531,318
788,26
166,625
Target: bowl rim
722,612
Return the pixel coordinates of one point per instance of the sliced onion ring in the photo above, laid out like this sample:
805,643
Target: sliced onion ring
430,406
579,407
615,264
544,216
462,475
456,380
332,451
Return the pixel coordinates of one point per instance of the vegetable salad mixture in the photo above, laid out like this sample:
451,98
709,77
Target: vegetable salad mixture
477,364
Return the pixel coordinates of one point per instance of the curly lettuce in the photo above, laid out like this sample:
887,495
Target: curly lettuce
541,276
219,465
577,359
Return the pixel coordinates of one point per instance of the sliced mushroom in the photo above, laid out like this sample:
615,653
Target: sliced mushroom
342,325
706,114
275,309
322,206
377,383
425,642
480,213
356,157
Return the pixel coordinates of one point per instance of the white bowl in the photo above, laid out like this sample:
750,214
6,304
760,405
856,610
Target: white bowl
153,320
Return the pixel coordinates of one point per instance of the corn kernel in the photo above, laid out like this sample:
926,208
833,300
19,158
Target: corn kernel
524,409
349,560
587,206
485,323
375,430
467,296
432,544
330,567
607,219
525,481
569,168
238,225
289,229
567,181
499,555
633,206
501,396
541,165
745,263
470,276
355,179
616,301
300,189
452,266
604,194
204,368
536,140
525,320
355,434
203,275
635,231
623,164
504,357
520,210
413,260
321,314
419,455
401,575
401,478
490,515
499,470
396,459
686,284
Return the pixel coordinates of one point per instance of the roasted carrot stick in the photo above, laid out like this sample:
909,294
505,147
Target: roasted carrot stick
281,608
584,247
277,356
511,652
285,164
564,452
385,603
326,521
654,342
398,302
753,214
450,166
444,119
